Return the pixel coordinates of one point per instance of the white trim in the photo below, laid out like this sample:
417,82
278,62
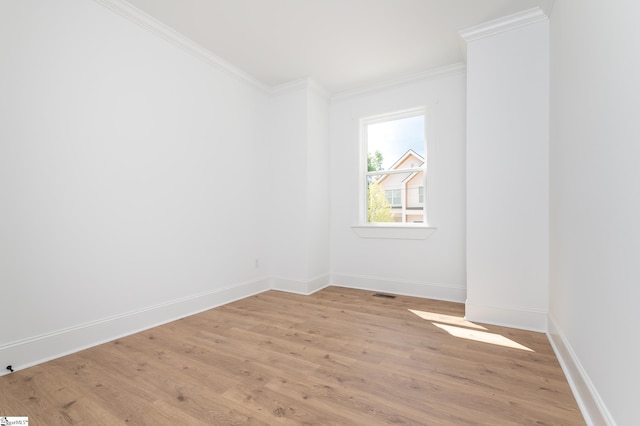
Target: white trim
138,17
503,24
391,171
38,349
393,116
290,86
318,88
362,229
432,74
546,6
436,291
507,316
591,405
304,287
35,350
395,231
298,84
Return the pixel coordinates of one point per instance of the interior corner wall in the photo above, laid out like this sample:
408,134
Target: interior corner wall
127,174
297,176
507,177
433,267
318,186
285,181
595,206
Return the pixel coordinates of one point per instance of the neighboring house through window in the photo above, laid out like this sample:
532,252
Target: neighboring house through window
393,197
395,176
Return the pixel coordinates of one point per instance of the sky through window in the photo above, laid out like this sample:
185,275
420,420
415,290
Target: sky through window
394,138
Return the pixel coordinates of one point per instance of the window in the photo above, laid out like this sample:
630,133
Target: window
394,167
393,197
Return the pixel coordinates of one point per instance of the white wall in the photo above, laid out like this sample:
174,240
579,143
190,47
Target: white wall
318,183
507,177
122,205
432,267
595,203
120,179
296,178
284,179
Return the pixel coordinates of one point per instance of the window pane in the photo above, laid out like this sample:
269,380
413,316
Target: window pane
378,203
396,144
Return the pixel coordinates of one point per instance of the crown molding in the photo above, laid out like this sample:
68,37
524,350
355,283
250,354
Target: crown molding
547,7
298,84
506,23
289,86
318,88
434,73
135,15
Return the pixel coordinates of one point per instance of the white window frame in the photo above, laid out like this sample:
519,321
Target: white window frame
396,230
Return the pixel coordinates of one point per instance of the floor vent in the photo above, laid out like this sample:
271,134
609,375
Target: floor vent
386,296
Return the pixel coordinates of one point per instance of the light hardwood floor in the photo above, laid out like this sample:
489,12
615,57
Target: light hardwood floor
340,356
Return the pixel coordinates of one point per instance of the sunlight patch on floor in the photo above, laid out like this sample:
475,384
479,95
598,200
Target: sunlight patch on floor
446,319
461,328
481,336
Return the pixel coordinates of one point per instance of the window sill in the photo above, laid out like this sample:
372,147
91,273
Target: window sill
395,231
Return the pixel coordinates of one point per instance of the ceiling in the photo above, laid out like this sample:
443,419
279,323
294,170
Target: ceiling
341,44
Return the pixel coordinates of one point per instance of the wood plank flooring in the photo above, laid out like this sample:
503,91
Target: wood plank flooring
340,356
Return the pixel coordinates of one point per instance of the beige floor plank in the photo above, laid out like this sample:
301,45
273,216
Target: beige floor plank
339,356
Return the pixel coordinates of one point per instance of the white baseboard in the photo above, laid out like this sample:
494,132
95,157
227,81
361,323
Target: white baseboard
436,291
39,349
305,287
588,399
524,319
